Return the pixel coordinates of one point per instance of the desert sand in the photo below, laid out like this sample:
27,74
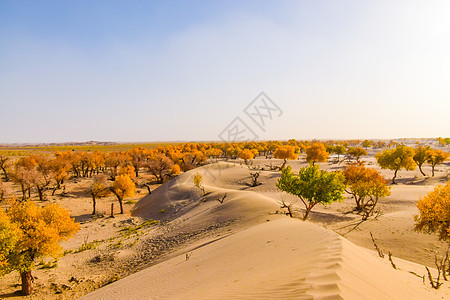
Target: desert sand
245,247
265,254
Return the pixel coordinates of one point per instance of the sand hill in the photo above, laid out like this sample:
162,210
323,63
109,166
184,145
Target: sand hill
265,256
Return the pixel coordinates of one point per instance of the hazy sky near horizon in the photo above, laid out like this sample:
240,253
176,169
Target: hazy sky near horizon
183,70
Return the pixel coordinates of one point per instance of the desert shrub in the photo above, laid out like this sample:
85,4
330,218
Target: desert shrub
198,179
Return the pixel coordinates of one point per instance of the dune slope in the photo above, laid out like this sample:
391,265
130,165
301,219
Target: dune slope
270,257
278,259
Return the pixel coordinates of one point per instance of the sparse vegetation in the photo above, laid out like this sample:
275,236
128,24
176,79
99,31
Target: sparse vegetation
198,179
255,176
78,173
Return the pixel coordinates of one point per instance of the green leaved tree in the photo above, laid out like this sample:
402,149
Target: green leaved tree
312,186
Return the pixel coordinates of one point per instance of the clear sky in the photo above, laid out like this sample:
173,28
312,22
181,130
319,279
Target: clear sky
183,70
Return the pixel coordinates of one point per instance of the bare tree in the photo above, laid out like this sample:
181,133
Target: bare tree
160,166
380,252
255,176
99,189
5,163
289,207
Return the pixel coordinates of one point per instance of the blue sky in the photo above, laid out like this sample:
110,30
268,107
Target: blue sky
183,70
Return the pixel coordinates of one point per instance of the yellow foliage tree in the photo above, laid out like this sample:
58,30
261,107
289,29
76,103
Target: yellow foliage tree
176,169
366,143
421,155
60,168
137,157
366,185
98,189
285,152
434,211
396,159
355,153
246,155
128,170
316,152
123,187
28,232
198,179
436,157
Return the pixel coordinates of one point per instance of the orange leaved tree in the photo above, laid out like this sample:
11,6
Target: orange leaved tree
247,155
366,185
316,152
285,152
434,211
29,232
123,187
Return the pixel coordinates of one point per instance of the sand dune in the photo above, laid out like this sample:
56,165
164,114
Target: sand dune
282,259
267,256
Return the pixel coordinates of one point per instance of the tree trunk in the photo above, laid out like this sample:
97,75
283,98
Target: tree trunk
121,206
93,204
358,202
148,188
5,174
393,178
40,193
308,209
284,164
420,169
26,282
136,171
24,193
432,170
